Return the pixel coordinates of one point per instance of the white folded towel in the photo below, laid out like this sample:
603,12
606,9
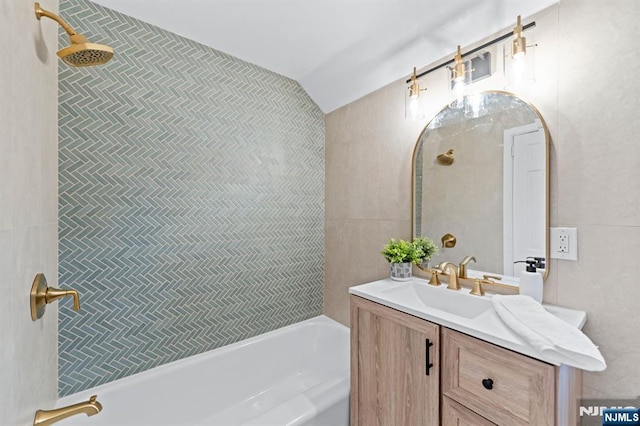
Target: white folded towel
557,340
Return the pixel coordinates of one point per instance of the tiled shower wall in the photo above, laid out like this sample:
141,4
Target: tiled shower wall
191,201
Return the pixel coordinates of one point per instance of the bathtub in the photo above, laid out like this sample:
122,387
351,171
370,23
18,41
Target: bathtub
296,375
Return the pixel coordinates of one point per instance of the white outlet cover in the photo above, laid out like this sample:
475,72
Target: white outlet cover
556,242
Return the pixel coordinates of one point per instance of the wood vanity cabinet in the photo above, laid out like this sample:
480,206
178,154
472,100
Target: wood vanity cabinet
406,371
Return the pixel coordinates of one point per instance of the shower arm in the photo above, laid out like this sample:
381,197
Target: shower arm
74,36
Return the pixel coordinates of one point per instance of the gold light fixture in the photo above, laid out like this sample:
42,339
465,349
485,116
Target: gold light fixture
81,53
459,69
413,106
414,88
519,63
518,67
458,58
519,42
459,72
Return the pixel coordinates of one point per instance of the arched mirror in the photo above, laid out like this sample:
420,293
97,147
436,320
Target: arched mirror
481,185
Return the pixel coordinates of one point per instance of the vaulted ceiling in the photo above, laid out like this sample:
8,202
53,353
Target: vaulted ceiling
338,50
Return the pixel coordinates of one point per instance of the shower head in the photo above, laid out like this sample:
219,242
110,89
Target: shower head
446,159
86,54
81,53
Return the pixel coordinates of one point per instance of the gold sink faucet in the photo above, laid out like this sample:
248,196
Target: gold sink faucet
462,268
453,275
48,417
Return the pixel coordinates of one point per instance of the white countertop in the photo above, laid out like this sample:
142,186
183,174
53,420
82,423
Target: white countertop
486,326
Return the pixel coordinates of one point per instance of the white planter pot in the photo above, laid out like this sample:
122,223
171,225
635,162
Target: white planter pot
400,271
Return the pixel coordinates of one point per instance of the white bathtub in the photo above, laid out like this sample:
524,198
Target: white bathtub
297,375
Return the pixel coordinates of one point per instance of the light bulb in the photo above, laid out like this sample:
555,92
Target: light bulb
518,69
413,108
459,89
519,55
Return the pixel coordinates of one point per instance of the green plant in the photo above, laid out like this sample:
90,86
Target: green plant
425,248
399,251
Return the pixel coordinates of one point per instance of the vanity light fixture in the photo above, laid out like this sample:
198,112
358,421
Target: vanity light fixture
458,66
414,88
459,70
519,42
519,62
413,109
459,75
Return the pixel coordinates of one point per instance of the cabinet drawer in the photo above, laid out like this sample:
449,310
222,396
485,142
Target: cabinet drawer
454,414
505,387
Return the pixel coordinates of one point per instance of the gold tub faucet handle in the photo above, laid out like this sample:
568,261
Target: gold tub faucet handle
42,294
55,294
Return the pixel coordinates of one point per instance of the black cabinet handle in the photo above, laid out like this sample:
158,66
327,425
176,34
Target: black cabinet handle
487,383
428,363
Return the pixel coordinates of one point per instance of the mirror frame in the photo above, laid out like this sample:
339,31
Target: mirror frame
547,138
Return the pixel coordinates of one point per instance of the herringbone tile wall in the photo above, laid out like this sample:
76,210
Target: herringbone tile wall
190,200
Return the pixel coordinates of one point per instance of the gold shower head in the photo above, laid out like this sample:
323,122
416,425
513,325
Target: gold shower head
81,53
446,159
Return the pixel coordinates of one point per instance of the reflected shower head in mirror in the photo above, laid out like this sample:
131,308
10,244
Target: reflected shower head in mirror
81,53
446,159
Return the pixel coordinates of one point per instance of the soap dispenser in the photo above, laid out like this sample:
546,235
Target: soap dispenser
540,265
531,281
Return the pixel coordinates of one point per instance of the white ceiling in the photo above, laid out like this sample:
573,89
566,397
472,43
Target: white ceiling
338,50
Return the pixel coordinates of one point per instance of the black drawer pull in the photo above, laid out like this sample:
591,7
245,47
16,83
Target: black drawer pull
428,363
487,383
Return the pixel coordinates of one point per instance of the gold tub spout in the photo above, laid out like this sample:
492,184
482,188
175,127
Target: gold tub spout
49,417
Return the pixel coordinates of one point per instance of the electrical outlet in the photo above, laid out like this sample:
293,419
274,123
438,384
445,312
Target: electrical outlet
564,243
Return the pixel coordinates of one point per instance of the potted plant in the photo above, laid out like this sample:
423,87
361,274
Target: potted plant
425,248
400,254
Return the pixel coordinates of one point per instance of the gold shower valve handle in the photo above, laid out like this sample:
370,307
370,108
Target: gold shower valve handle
448,241
41,294
55,294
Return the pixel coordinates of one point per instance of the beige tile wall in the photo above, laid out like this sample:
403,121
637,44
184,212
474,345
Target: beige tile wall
598,181
28,208
590,108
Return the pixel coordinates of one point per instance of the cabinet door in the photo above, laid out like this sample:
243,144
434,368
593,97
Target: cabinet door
395,372
454,414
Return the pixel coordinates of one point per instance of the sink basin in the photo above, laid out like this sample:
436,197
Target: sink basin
458,310
459,303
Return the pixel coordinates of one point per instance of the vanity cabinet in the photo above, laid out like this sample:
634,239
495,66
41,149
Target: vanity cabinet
406,371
